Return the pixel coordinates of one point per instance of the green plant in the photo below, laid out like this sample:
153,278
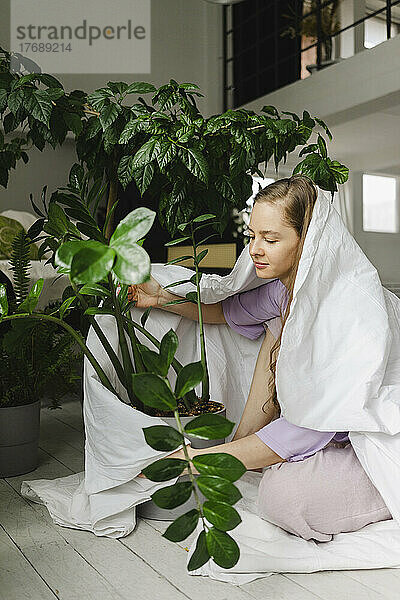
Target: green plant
35,357
91,264
217,471
190,229
189,163
308,26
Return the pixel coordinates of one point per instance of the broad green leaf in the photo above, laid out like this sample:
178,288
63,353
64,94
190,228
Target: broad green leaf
153,391
3,301
168,151
322,146
188,378
195,163
99,97
92,264
204,218
182,527
108,114
73,122
154,362
132,264
148,152
340,172
143,176
15,99
40,106
65,306
168,347
201,255
165,469
173,495
223,548
179,259
200,555
58,223
178,241
209,427
218,488
134,226
162,437
117,87
98,310
128,131
30,302
140,87
220,464
94,290
66,252
221,514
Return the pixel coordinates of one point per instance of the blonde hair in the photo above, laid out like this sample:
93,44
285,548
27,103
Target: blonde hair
296,196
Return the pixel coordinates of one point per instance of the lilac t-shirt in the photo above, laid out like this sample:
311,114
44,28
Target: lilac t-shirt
246,313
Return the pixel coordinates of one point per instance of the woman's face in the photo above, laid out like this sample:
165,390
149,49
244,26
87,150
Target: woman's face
273,244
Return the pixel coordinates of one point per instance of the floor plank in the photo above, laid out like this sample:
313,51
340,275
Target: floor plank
331,585
53,561
66,572
19,580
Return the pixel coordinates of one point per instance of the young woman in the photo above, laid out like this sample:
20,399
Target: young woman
298,492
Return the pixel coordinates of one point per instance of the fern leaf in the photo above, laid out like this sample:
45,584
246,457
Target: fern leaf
20,264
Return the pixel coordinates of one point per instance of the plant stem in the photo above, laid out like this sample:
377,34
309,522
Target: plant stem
176,365
103,339
126,359
190,472
112,198
77,337
205,384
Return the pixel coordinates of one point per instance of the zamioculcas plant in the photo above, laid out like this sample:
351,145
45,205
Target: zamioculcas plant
190,229
94,265
217,471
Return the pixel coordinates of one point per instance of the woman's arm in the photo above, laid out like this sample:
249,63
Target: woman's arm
152,294
253,417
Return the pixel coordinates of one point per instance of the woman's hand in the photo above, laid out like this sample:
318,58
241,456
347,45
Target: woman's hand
146,294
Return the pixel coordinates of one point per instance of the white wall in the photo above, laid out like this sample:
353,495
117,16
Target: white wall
359,98
186,45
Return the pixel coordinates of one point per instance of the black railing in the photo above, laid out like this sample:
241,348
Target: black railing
280,63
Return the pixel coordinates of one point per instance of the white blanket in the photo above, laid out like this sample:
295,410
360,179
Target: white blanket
338,370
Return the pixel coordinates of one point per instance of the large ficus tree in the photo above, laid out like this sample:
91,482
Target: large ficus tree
190,163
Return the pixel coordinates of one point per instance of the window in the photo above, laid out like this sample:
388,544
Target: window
380,204
375,32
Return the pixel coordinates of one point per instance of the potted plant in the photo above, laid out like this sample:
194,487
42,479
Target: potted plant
93,265
189,163
190,405
36,359
192,165
309,27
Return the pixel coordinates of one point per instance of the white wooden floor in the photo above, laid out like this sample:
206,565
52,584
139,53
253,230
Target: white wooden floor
41,561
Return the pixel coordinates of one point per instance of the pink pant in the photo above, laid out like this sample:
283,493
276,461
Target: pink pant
320,496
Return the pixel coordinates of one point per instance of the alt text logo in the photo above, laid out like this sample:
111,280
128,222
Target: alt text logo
83,36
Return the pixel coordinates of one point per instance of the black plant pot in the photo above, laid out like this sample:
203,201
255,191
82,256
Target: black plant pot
150,510
19,439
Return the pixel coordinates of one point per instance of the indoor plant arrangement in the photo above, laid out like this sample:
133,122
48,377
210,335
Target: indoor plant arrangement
193,165
36,359
91,263
190,163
